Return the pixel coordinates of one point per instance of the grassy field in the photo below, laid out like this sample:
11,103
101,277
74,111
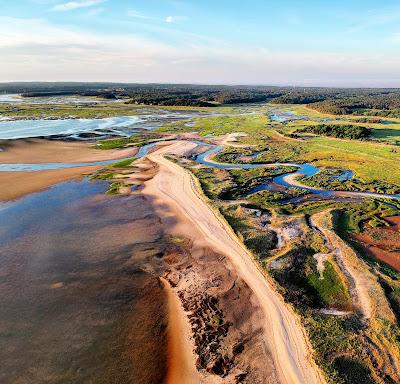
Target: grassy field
369,161
95,110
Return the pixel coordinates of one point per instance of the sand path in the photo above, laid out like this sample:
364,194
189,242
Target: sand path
284,337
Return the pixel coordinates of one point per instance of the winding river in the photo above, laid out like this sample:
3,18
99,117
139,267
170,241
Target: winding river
286,180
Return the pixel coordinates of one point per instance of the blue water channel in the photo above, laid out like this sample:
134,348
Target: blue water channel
302,169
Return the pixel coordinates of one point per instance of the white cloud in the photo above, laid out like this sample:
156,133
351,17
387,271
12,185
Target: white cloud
34,49
136,14
71,5
396,38
174,19
95,11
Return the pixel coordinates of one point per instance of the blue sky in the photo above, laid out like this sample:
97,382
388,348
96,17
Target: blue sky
289,42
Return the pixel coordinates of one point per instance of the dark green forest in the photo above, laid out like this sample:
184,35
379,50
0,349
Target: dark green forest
383,102
337,130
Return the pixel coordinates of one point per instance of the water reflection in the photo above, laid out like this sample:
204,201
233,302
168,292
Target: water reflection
75,302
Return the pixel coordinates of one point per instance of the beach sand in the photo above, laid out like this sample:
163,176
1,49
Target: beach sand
284,355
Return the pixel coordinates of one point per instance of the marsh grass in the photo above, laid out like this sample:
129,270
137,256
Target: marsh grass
331,289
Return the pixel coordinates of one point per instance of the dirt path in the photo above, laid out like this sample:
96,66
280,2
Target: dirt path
284,337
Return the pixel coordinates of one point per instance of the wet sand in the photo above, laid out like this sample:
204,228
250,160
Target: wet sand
52,151
18,184
80,298
181,358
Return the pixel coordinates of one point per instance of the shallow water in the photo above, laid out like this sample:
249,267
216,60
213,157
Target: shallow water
285,116
303,169
15,98
86,129
75,302
20,167
37,128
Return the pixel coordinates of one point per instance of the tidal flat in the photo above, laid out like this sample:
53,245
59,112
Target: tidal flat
78,303
113,267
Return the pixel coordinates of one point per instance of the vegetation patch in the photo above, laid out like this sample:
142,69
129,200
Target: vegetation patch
123,163
326,179
330,288
138,139
113,143
344,131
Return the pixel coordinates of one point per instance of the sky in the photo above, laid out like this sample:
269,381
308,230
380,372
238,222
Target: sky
265,42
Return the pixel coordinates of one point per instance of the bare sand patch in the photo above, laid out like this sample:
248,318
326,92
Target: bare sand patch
181,359
32,151
37,151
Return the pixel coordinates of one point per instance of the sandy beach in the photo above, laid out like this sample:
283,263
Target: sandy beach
48,151
181,358
179,200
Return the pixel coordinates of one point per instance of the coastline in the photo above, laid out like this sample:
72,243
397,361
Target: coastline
176,189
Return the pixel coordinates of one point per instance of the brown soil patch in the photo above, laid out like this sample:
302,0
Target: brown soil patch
383,243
